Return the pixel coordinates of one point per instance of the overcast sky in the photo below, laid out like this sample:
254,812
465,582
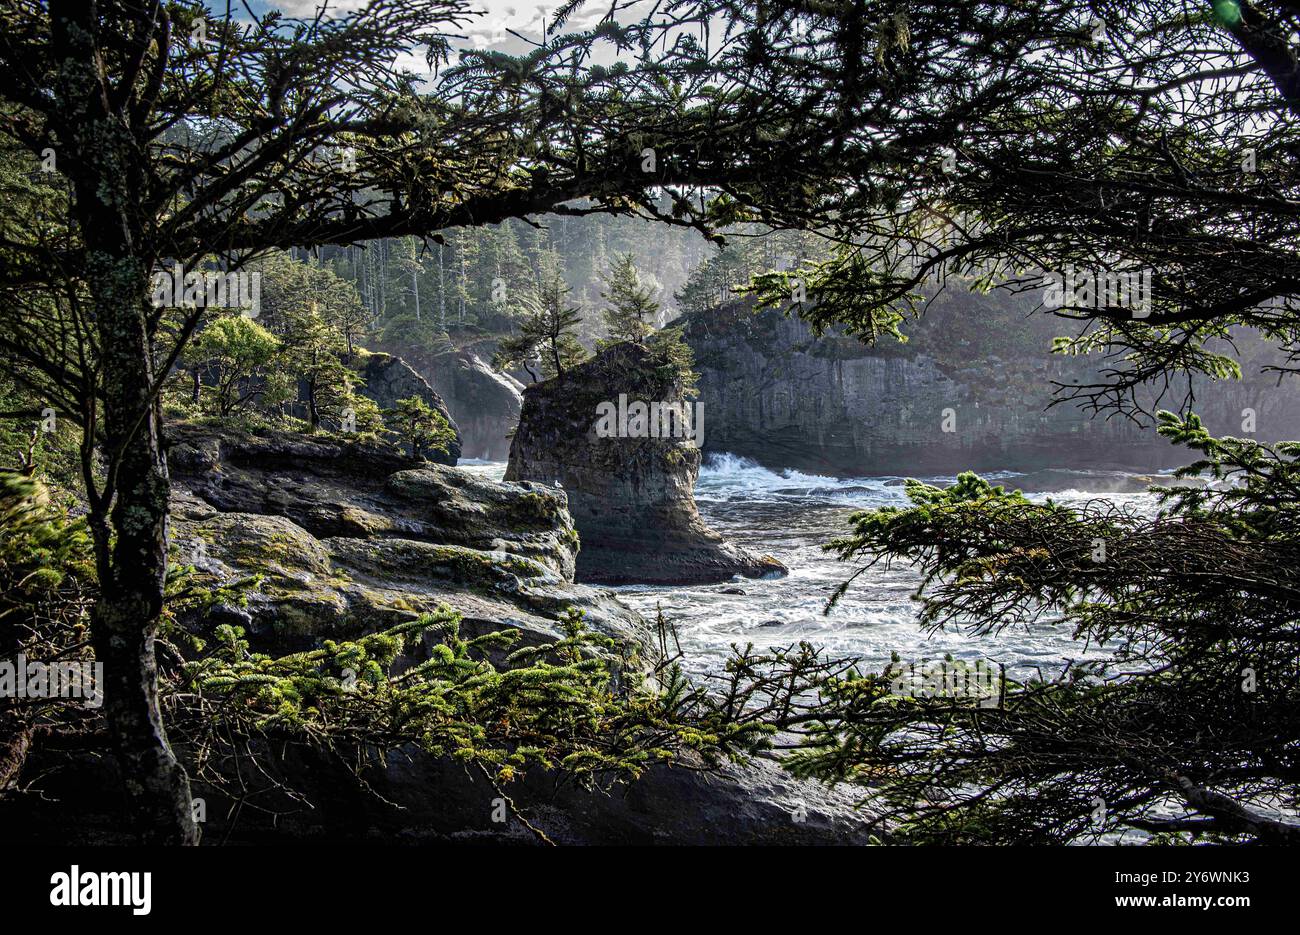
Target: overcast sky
487,31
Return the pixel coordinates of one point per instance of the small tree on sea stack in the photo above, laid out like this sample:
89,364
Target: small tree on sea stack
632,311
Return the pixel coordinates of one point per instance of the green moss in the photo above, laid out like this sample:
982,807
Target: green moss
523,567
280,548
536,508
414,561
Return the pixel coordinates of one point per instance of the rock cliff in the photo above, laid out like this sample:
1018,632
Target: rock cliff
389,378
970,390
631,498
486,403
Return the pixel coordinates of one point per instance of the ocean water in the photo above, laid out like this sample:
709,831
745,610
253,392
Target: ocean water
789,515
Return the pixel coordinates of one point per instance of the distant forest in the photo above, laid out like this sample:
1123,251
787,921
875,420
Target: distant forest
467,283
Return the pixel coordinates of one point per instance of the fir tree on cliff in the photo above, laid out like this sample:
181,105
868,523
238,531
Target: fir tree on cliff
548,337
631,312
420,427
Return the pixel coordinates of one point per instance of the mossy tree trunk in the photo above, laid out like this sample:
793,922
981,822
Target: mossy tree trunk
133,564
129,502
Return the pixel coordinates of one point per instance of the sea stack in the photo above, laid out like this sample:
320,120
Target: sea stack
629,478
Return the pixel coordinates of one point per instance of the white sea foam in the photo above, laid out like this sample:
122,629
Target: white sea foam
790,514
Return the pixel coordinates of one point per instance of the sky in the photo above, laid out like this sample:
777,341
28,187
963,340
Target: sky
488,29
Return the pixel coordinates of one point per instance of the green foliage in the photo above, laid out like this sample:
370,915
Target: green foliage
237,353
423,334
671,347
47,590
845,290
1194,701
548,336
292,362
35,440
753,258
631,312
420,426
1256,496
47,571
553,706
557,706
314,351
570,705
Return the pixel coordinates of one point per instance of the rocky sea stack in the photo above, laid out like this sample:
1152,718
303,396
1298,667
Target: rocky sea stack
630,497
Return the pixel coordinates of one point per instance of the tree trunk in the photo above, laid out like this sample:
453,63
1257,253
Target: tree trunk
415,288
132,575
313,412
129,518
442,290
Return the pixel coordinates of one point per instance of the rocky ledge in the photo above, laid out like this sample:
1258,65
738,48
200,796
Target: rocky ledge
631,497
350,538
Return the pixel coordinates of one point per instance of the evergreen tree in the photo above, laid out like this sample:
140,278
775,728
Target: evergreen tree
631,313
314,351
420,426
548,335
670,344
237,353
180,132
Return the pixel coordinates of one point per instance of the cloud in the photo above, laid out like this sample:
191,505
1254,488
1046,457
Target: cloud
306,9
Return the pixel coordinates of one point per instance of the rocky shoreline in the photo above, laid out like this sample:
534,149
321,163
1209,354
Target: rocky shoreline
350,538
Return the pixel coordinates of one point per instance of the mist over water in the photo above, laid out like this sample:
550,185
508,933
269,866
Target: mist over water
790,515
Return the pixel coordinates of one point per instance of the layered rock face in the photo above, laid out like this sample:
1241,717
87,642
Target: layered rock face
631,498
486,403
971,390
351,539
389,378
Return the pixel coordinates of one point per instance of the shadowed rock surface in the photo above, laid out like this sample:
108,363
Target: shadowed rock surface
389,378
631,499
410,797
486,403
